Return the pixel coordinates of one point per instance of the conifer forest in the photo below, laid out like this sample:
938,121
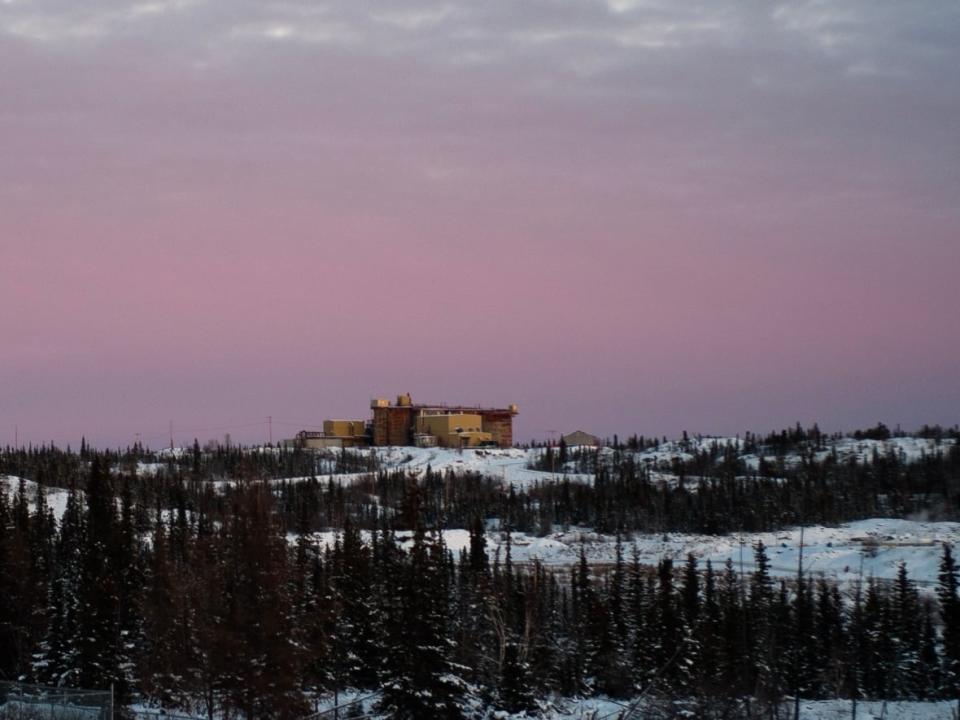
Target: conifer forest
234,582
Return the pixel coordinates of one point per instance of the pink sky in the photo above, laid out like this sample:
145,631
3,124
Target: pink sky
625,217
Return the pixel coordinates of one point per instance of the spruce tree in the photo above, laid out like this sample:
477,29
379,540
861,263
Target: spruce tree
950,619
421,681
260,610
357,624
9,631
54,661
161,660
763,635
95,660
709,635
906,625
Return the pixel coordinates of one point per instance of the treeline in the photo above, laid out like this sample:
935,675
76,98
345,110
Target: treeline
788,440
56,467
216,612
715,492
709,494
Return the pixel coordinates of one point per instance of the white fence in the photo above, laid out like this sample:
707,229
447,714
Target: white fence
19,701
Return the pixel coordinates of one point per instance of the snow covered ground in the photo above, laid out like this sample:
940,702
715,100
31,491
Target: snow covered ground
600,709
605,709
507,465
909,449
897,710
511,464
881,544
56,497
834,552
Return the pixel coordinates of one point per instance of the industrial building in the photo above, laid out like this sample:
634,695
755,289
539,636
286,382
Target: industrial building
425,425
336,434
422,425
581,438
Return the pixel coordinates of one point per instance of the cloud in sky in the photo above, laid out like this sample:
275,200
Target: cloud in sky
628,215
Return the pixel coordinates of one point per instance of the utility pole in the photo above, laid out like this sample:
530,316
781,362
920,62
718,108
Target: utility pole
743,612
270,427
856,674
16,436
798,639
171,435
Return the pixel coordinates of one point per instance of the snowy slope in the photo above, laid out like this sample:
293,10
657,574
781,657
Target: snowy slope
511,465
56,497
601,708
833,552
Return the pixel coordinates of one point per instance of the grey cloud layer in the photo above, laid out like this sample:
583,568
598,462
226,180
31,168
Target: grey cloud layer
717,100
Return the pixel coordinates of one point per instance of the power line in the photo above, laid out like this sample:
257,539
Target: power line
214,428
172,432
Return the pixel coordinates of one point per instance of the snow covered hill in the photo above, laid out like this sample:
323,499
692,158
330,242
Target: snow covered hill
513,465
878,544
881,544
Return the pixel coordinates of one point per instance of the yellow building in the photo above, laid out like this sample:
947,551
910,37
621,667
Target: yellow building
420,424
397,424
456,430
344,428
336,434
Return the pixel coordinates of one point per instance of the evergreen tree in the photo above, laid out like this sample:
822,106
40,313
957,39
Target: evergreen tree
641,612
94,657
828,646
688,660
9,630
929,675
260,611
357,623
53,662
735,667
421,681
668,623
709,632
950,619
906,625
515,682
162,659
763,635
877,657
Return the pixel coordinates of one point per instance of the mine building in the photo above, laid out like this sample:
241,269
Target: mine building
336,434
421,425
581,438
425,425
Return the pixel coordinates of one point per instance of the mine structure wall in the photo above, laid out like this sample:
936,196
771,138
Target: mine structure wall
397,424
